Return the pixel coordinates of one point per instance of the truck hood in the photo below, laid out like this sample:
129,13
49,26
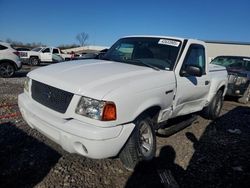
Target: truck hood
94,78
240,71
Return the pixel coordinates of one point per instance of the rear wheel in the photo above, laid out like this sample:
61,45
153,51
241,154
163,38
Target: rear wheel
6,70
212,111
34,61
141,145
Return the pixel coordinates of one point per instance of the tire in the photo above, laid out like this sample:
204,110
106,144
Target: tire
6,70
141,144
246,96
34,61
212,111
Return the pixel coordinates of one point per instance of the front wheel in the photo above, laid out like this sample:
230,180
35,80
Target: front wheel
212,111
34,61
141,145
6,70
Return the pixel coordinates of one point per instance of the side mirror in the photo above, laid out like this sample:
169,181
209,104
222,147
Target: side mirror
191,70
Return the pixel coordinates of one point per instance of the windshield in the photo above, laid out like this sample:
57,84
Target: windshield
233,62
37,49
160,53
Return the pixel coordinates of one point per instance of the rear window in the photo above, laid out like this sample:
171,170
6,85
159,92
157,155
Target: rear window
3,47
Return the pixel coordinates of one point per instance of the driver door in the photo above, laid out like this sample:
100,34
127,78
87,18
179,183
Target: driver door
46,55
192,91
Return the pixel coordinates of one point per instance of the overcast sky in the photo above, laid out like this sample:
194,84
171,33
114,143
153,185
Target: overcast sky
55,22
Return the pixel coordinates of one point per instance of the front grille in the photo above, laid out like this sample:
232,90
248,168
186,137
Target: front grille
51,97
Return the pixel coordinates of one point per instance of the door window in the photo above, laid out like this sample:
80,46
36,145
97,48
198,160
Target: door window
196,56
46,50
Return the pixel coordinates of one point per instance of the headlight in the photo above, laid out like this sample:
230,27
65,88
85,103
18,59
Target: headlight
241,80
26,84
96,109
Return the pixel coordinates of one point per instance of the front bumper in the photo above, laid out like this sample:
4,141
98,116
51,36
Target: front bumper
75,136
236,90
237,84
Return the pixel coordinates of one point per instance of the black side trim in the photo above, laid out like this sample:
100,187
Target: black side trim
169,91
217,70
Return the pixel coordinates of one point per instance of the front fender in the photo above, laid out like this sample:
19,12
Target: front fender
132,106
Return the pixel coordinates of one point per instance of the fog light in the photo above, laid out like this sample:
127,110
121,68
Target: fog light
80,148
84,149
237,91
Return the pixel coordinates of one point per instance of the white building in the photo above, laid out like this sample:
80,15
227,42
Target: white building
219,48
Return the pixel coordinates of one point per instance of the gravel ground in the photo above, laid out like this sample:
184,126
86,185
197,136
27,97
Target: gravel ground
205,154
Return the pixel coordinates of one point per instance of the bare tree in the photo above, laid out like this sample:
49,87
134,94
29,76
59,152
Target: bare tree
82,38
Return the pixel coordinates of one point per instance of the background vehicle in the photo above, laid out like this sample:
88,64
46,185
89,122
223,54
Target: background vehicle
113,106
22,49
43,54
238,68
97,55
9,60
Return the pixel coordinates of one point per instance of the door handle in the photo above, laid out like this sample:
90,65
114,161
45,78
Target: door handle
207,82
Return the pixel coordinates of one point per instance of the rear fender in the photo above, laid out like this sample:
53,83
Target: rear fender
215,86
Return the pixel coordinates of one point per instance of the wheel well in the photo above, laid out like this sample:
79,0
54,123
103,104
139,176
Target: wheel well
9,61
222,88
153,113
34,57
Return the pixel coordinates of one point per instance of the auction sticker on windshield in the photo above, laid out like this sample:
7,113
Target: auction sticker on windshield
169,42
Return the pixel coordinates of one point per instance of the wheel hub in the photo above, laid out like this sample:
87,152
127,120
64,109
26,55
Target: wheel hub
146,139
6,70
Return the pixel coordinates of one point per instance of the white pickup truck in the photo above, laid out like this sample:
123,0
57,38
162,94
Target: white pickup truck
114,106
43,54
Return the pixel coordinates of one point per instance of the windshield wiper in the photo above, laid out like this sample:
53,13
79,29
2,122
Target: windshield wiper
105,58
109,59
141,62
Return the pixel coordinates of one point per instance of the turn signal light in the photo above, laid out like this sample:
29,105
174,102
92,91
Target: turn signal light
16,53
109,112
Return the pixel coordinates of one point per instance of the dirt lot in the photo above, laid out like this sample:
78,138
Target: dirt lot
205,154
